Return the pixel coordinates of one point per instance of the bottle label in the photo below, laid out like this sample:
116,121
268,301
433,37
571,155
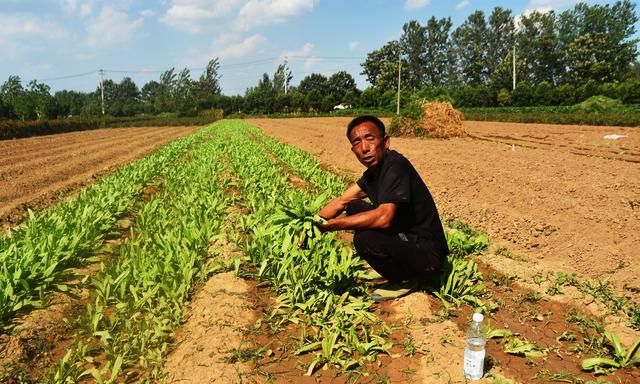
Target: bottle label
473,363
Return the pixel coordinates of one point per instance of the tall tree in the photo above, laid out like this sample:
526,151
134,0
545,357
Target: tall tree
381,66
184,95
597,41
500,38
340,84
471,48
165,100
537,47
314,81
437,48
69,103
149,95
413,47
40,99
209,82
14,97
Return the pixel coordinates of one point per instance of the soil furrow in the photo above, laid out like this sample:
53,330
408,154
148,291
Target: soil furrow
20,156
37,188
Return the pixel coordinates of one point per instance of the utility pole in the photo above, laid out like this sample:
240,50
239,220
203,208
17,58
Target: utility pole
101,72
514,66
399,69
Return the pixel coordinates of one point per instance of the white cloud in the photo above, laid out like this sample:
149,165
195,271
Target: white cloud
111,27
205,15
305,54
260,12
548,5
148,13
353,45
199,15
81,7
416,4
24,33
247,47
21,26
462,4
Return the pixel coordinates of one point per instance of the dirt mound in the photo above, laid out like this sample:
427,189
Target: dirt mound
441,120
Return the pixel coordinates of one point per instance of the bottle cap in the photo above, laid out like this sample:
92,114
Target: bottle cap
478,317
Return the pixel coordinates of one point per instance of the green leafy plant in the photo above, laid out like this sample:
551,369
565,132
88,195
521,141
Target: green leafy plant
619,356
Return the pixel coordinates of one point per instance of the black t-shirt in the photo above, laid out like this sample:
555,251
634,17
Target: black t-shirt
395,180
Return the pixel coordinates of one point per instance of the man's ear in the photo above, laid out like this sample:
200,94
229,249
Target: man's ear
387,141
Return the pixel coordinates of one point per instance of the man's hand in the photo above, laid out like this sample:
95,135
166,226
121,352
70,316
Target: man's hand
336,206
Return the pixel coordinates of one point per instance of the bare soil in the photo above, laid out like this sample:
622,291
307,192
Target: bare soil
37,172
208,347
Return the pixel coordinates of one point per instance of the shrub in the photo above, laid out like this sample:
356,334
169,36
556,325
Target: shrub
504,97
599,104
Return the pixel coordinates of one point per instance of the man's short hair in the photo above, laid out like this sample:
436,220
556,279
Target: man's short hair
363,119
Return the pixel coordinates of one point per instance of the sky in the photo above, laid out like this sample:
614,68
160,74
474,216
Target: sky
64,43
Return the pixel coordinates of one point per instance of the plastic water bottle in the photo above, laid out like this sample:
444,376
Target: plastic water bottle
474,351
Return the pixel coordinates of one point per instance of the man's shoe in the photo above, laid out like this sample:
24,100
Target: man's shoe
392,291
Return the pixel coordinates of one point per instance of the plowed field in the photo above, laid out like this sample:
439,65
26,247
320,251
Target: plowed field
35,172
561,198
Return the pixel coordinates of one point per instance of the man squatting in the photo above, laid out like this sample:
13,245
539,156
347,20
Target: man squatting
400,234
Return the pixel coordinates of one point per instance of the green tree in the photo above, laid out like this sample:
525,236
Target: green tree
207,86
597,42
381,66
537,47
165,95
500,38
40,100
413,47
438,47
522,96
313,100
504,97
149,97
13,95
471,48
262,98
184,96
339,85
69,103
314,81
370,98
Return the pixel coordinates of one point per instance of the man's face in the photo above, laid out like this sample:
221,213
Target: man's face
368,144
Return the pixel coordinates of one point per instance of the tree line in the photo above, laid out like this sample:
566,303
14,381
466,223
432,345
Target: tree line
560,59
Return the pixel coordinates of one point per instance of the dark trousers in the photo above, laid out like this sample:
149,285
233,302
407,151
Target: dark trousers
394,255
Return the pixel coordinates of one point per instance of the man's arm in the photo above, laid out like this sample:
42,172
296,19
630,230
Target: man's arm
378,218
336,206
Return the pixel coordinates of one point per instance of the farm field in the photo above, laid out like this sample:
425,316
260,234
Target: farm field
200,263
35,172
552,199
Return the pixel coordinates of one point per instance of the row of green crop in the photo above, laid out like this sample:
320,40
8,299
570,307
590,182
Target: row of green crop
37,256
141,293
316,282
305,165
15,129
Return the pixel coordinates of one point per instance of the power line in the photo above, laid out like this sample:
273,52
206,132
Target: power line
70,76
